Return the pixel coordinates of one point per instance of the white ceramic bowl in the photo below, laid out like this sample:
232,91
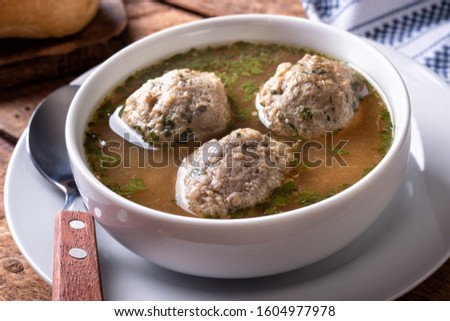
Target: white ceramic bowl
255,246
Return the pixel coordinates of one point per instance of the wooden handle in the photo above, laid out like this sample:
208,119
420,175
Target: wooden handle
76,274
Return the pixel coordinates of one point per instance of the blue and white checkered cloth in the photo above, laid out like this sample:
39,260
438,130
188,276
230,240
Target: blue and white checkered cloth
419,29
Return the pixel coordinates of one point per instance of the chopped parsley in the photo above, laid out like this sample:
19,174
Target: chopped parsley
308,197
243,212
280,197
385,132
367,170
386,141
340,151
244,113
154,136
168,126
105,110
249,89
306,112
133,185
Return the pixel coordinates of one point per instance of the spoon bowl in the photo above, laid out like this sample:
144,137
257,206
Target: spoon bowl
46,143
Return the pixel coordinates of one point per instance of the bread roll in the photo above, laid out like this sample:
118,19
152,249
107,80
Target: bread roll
45,18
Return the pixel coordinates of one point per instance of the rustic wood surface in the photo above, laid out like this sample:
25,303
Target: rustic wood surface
17,280
26,60
75,278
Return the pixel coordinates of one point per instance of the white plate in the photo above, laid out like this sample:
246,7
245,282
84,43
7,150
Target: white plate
406,245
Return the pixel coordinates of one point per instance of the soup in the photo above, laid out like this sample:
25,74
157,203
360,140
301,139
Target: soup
323,165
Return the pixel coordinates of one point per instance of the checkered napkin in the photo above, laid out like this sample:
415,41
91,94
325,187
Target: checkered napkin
419,29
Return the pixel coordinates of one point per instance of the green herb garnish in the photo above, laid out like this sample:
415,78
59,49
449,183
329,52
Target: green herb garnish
244,114
340,151
306,112
385,116
249,89
133,185
243,212
105,110
368,170
122,109
280,197
386,141
168,126
308,197
154,136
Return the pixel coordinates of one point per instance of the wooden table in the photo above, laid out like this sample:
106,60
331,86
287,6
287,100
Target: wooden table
17,280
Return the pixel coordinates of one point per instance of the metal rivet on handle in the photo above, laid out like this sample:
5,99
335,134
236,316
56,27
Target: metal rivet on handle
77,224
77,253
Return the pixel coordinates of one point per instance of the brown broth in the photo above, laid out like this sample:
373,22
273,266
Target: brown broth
148,177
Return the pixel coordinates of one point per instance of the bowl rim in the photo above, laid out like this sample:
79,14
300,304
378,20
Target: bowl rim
77,159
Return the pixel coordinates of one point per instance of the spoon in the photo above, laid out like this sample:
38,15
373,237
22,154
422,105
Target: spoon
76,275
